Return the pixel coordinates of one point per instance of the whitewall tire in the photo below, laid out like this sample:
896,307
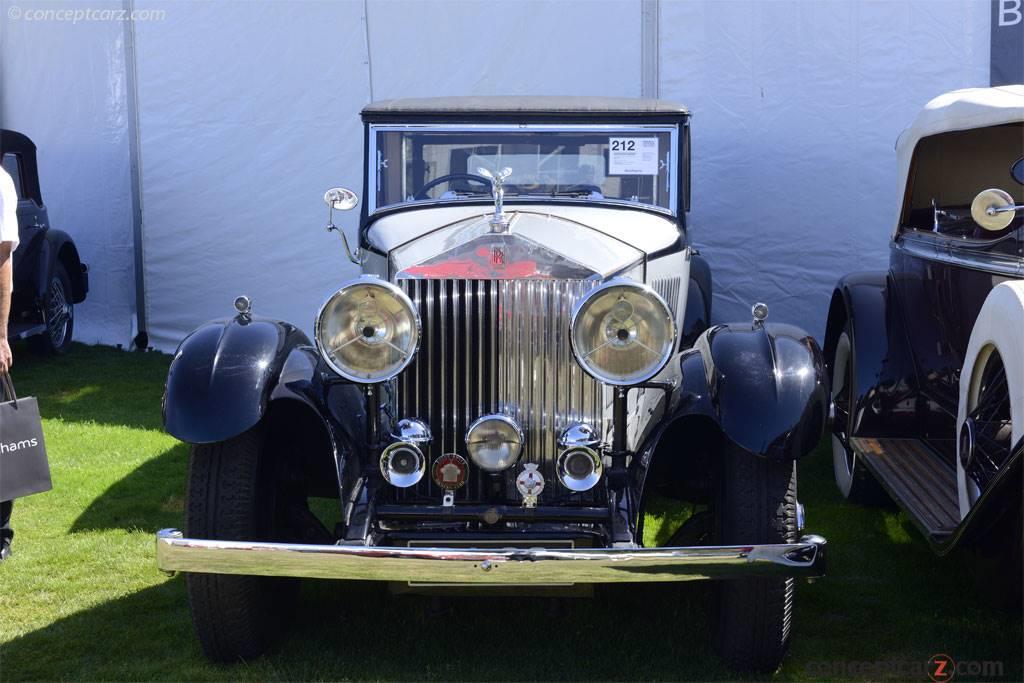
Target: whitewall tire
843,461
993,404
853,480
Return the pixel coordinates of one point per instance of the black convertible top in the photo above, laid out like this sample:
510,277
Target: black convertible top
15,142
509,107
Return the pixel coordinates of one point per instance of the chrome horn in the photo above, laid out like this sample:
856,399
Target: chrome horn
579,466
403,463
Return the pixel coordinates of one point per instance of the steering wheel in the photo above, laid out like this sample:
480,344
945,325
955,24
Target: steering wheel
471,177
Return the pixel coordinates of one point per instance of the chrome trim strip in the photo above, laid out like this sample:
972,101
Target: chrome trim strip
481,289
506,566
668,288
457,328
949,253
430,354
468,347
443,407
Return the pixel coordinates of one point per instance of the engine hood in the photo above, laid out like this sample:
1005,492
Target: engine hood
540,241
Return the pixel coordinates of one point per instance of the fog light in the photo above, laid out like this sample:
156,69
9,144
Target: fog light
494,442
579,468
403,464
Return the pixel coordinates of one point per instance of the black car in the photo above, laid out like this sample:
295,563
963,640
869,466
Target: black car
523,366
49,276
926,365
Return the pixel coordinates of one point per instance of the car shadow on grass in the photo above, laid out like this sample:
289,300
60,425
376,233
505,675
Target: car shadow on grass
96,384
360,631
152,496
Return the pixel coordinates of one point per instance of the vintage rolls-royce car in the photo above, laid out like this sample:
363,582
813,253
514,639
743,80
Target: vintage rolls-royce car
927,371
49,276
524,363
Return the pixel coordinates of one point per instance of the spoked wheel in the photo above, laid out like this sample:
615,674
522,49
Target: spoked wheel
986,436
984,446
58,314
854,481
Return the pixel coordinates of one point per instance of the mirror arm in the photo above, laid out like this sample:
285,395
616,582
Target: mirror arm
355,257
992,211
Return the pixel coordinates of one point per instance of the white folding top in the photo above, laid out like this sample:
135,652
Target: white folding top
957,110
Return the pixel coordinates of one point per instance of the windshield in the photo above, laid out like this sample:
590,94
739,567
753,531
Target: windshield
442,163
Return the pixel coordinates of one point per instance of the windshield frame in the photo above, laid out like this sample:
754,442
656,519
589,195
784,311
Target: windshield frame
673,171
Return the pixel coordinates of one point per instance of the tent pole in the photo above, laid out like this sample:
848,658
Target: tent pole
650,11
141,339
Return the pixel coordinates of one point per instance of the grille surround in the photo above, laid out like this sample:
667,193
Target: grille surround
498,347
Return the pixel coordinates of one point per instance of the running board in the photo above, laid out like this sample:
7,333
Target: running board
917,479
25,330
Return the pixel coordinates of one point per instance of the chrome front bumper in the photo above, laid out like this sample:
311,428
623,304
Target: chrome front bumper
480,566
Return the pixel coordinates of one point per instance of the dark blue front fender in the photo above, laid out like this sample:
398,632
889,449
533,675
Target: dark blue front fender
763,385
222,376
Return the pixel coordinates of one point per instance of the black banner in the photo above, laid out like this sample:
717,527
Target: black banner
1007,42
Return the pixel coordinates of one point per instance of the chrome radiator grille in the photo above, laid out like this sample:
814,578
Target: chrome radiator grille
496,346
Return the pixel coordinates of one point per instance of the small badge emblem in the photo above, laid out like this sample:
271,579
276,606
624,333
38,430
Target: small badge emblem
530,483
497,257
449,471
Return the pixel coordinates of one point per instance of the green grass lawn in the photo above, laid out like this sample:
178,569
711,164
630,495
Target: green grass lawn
81,597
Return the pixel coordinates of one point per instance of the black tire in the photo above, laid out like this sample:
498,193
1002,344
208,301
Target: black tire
58,314
756,503
853,479
231,496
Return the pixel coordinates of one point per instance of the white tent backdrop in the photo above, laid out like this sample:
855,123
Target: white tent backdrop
63,84
248,111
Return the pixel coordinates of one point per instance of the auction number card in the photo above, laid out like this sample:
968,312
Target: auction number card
632,156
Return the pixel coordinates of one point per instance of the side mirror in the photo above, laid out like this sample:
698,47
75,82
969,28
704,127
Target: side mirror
993,209
1017,170
341,199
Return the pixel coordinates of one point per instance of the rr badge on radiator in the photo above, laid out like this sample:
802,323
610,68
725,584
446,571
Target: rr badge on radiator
530,483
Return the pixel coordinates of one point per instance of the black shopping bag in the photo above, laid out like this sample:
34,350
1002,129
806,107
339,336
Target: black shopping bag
24,469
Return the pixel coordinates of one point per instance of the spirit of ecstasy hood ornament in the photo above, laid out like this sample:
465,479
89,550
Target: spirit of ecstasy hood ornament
499,223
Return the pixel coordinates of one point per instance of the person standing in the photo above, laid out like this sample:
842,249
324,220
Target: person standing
8,243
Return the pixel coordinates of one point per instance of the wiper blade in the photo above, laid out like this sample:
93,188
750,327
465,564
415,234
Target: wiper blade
573,193
560,193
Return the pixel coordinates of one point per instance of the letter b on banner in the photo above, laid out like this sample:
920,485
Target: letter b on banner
1009,12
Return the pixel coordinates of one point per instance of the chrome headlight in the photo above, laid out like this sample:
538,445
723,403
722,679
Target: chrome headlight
494,442
622,333
368,331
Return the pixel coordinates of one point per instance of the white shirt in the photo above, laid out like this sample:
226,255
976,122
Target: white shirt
8,210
